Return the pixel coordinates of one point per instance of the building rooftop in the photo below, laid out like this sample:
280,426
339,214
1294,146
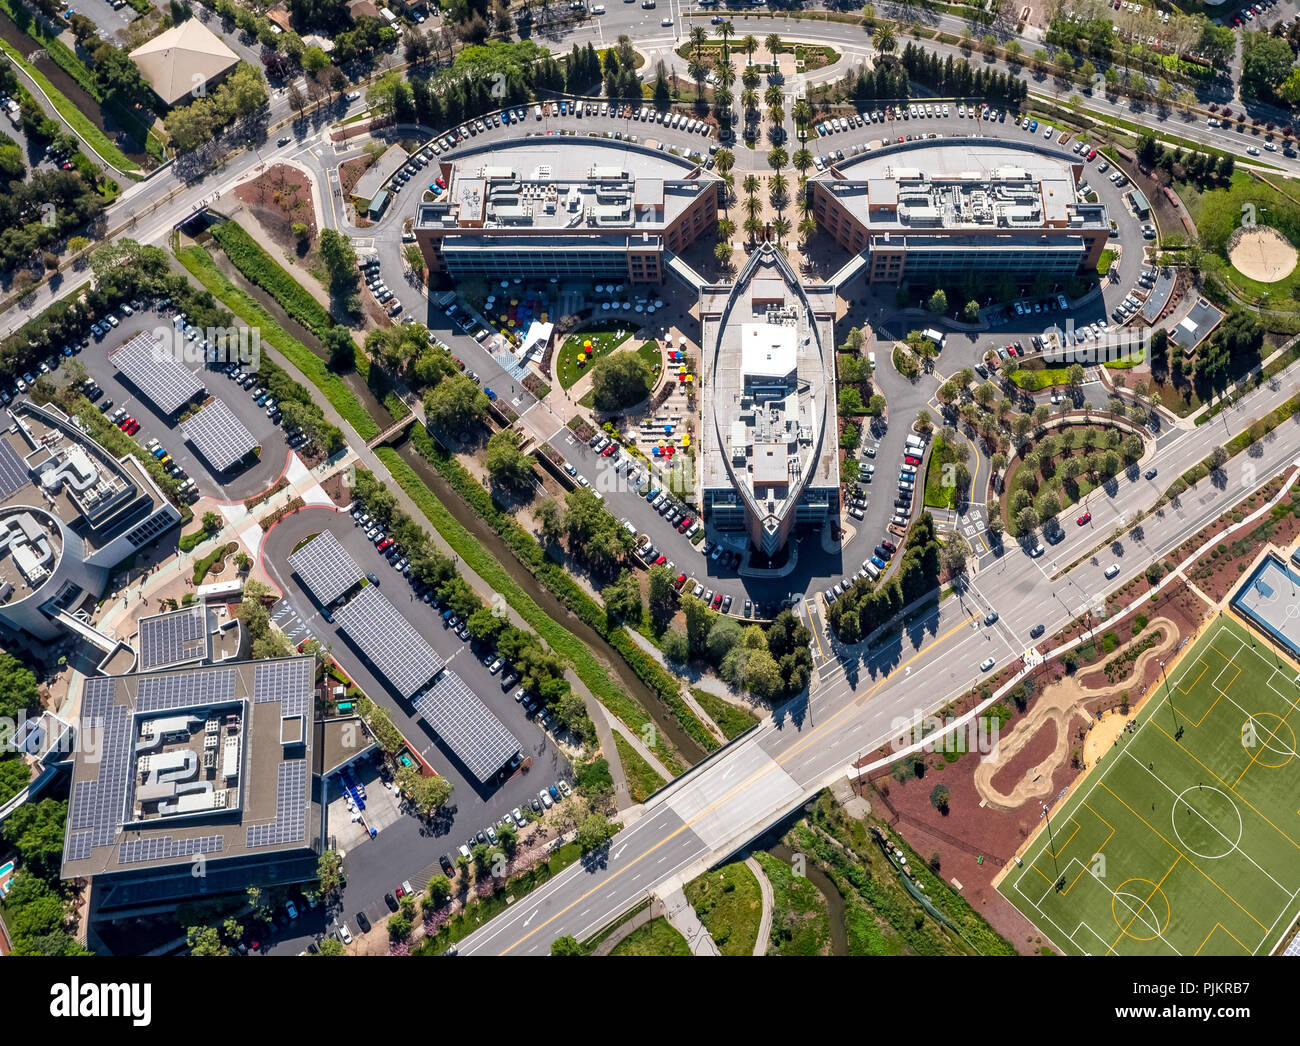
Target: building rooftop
1196,326
769,420
183,58
193,635
564,184
213,760
388,164
58,485
967,185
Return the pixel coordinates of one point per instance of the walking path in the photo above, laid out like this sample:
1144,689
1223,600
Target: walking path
681,916
704,717
765,920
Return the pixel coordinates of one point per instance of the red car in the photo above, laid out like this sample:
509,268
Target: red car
384,544
661,561
135,427
681,580
125,422
1085,518
1092,154
607,451
717,601
1011,350
890,545
908,459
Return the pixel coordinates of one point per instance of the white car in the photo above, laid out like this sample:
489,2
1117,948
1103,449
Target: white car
546,799
352,96
345,935
986,664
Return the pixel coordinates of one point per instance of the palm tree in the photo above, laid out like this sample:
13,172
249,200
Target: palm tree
752,208
750,44
750,76
802,112
776,115
781,228
699,37
777,158
884,39
802,159
725,31
773,44
726,228
725,73
722,251
753,227
773,95
807,228
750,184
749,98
724,160
777,186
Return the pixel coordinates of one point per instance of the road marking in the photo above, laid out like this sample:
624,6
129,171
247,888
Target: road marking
616,854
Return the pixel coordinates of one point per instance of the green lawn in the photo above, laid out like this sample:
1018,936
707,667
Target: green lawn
801,922
1181,845
656,937
730,906
1037,379
732,720
642,780
605,337
937,493
1106,260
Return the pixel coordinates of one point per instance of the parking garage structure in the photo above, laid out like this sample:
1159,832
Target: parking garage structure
770,447
941,209
565,207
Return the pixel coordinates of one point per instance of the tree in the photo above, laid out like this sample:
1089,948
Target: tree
439,891
623,597
939,797
566,946
660,591
620,380
332,946
426,793
884,39
455,403
18,692
594,832
676,647
205,941
338,257
971,311
938,303
506,463
329,873
35,831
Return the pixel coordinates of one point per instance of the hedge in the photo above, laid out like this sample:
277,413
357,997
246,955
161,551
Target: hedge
200,265
562,585
557,637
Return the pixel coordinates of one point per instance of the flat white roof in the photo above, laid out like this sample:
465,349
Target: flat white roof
768,349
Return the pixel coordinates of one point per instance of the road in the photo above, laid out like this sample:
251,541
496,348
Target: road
859,702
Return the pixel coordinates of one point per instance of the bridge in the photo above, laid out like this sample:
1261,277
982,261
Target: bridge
393,431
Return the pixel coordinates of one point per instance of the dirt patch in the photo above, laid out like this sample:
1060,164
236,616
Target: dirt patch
280,199
1037,754
1262,254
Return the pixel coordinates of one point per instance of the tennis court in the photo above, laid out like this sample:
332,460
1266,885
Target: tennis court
1185,839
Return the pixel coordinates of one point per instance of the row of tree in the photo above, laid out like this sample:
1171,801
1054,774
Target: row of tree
866,605
771,665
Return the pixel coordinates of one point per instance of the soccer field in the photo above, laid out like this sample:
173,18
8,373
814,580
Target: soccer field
1181,845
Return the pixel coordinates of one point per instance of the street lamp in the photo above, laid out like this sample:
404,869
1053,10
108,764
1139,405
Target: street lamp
1051,840
1178,729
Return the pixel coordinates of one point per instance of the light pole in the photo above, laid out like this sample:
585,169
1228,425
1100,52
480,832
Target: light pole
1047,816
1178,729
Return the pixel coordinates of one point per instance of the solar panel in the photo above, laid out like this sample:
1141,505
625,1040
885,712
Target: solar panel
173,638
183,689
78,848
156,373
218,435
163,847
398,652
290,825
325,568
13,472
289,682
467,726
98,805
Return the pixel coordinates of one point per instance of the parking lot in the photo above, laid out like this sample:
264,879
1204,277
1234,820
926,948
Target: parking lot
474,805
235,484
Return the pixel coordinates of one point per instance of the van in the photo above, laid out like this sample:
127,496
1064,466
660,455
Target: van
1111,571
872,570
598,9
916,442
871,358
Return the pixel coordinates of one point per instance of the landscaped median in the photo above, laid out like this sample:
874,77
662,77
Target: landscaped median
200,265
561,640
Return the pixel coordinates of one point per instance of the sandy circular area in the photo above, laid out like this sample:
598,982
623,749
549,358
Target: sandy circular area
1262,254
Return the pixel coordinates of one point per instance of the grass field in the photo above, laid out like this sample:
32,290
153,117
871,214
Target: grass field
1181,845
656,937
605,337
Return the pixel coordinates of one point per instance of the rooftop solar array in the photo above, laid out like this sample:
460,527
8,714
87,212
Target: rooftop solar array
98,804
325,568
467,726
163,847
399,653
13,472
161,379
290,825
173,638
218,435
289,682
184,689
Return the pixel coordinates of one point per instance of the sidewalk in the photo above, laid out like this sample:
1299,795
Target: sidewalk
681,916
